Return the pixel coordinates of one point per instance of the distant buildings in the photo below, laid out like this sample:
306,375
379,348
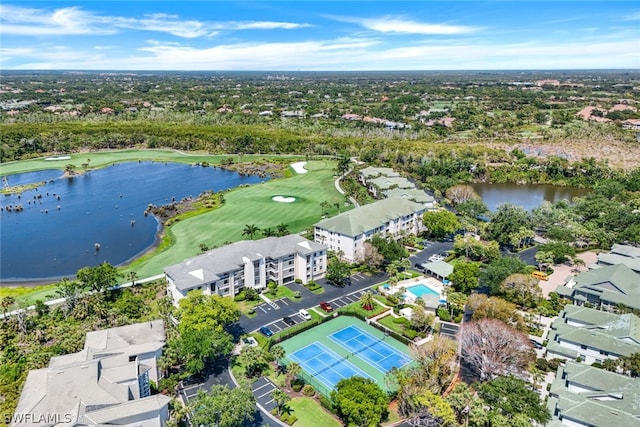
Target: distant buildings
590,335
107,383
248,264
348,231
582,395
386,182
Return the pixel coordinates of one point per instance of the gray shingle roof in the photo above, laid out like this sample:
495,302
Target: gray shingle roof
208,267
371,172
413,194
369,217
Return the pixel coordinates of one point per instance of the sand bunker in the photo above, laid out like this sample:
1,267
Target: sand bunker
299,167
283,199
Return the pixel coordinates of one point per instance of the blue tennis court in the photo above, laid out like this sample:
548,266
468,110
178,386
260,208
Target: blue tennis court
325,365
375,351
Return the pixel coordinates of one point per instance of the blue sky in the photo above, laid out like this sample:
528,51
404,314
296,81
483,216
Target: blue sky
319,35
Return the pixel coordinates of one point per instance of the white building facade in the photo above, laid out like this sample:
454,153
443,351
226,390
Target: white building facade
346,233
226,271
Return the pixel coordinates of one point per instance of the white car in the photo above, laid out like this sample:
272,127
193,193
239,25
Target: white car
304,314
434,258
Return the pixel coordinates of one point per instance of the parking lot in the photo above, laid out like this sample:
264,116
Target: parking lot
347,299
262,390
276,305
280,325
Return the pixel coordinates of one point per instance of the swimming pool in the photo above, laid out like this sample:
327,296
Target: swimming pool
422,289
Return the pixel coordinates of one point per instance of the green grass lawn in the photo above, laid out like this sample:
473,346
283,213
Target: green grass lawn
29,295
250,205
100,159
247,205
311,414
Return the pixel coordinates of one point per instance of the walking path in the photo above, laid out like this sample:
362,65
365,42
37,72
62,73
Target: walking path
341,191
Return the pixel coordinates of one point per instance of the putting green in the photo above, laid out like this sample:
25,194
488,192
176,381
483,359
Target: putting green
252,205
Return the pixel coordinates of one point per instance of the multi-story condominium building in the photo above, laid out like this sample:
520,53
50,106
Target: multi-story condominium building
347,232
228,270
584,396
604,287
107,383
590,335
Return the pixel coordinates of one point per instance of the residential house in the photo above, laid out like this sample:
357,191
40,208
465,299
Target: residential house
347,232
589,335
413,194
633,124
248,264
370,172
619,254
107,383
586,396
603,287
383,183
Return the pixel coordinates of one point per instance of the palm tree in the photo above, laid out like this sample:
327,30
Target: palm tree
268,232
283,229
250,230
367,301
132,277
293,370
277,352
324,205
281,398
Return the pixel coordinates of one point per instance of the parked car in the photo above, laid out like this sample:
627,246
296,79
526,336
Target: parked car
326,306
288,320
266,331
304,314
418,267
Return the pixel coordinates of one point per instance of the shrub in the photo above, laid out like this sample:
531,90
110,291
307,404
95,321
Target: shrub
401,320
297,385
284,417
292,419
308,390
240,297
326,403
251,294
297,295
298,281
443,314
410,333
542,364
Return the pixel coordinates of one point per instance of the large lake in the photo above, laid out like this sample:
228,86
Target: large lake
529,196
104,206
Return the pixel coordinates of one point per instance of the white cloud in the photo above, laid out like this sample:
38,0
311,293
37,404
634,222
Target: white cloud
38,22
389,24
340,54
74,21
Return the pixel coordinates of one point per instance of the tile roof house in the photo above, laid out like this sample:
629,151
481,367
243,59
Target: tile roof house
593,335
107,383
604,287
582,395
348,231
248,264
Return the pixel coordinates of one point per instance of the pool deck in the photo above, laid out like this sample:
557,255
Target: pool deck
403,285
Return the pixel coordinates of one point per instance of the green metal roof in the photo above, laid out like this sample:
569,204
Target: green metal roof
370,217
612,284
597,397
